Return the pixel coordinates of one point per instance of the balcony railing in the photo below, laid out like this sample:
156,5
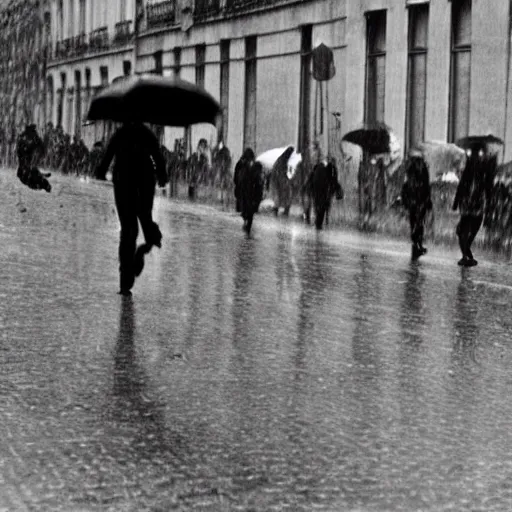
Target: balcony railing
161,13
98,39
206,8
78,45
63,48
123,32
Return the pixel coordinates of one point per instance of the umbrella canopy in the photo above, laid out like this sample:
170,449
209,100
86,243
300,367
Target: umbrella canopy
154,99
372,138
468,142
269,158
442,158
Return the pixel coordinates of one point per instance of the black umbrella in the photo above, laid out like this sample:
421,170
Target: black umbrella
372,138
468,142
154,99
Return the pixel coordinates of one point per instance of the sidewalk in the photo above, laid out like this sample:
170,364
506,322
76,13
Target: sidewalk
344,214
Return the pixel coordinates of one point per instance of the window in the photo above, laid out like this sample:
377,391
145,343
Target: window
49,99
250,93
200,58
60,17
127,67
81,28
71,18
224,88
104,75
177,61
158,60
60,100
78,102
47,27
417,74
122,10
305,87
87,87
375,66
460,70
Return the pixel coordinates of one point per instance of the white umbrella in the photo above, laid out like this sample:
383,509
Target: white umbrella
442,157
269,158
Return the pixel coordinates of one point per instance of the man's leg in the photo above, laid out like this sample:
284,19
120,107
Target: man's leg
125,198
475,224
146,194
463,234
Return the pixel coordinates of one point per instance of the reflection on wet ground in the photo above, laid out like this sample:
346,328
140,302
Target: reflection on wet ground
292,371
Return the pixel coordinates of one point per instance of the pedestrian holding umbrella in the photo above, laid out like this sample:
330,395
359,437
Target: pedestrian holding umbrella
473,196
373,138
138,159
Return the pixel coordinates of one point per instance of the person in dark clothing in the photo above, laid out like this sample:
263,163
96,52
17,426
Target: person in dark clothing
95,157
248,187
138,165
197,167
30,150
416,199
471,196
245,161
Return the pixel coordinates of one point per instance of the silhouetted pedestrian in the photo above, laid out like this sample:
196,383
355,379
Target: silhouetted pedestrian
197,167
138,165
30,150
245,160
416,199
470,199
321,186
248,187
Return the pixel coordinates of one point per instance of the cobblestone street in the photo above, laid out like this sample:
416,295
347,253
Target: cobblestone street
293,371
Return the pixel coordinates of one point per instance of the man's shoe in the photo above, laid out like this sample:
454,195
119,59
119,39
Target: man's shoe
138,259
416,252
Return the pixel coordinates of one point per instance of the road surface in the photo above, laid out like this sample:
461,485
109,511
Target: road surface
293,371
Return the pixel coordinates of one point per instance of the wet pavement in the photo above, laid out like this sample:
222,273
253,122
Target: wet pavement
293,371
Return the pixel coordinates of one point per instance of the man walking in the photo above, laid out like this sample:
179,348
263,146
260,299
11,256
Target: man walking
416,199
138,165
470,199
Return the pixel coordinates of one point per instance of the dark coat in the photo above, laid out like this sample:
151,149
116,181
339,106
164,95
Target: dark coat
475,185
416,189
321,186
29,148
137,152
250,188
241,166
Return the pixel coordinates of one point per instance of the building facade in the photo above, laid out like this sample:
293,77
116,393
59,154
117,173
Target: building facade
432,70
92,44
23,39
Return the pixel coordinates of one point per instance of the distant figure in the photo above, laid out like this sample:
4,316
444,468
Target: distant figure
246,160
472,193
176,166
48,142
248,187
95,157
321,186
197,167
280,185
30,150
221,168
138,165
416,199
